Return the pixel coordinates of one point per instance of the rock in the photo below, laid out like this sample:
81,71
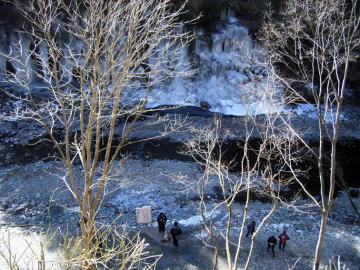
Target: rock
354,193
205,105
4,204
21,208
14,205
55,210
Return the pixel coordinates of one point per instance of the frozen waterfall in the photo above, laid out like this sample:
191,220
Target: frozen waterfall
228,78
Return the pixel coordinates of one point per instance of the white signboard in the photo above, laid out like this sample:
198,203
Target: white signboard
143,214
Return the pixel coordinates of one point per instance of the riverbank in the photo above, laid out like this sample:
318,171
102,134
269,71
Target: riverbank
26,204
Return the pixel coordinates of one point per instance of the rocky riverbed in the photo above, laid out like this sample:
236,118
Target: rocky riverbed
34,196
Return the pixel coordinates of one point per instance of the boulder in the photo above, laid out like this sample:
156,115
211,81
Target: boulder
205,105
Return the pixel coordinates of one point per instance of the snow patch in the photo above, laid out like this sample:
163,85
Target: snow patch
310,111
196,220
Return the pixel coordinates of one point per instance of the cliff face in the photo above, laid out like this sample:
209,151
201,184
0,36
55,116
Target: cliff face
225,79
250,12
210,11
7,12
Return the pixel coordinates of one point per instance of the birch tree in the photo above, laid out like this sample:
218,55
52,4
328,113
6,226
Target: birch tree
313,44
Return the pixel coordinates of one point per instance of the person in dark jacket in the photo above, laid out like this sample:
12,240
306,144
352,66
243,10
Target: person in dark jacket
282,240
175,231
250,229
271,244
161,220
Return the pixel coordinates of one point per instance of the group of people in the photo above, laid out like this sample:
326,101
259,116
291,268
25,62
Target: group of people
175,231
282,242
272,241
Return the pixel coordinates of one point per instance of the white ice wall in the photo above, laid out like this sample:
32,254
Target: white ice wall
227,79
226,74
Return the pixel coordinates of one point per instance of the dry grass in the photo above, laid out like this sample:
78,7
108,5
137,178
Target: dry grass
112,249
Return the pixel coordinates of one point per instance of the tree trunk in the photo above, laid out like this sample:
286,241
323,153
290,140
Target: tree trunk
321,238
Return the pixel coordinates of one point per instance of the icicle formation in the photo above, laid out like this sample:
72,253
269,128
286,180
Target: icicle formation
229,73
227,64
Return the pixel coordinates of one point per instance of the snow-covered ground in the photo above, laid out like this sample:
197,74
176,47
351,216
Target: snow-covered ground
228,80
310,110
23,249
137,182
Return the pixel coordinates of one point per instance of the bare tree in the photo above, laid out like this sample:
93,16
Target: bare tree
260,172
99,61
258,169
313,44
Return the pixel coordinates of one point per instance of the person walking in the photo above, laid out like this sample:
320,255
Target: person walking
175,231
251,228
282,240
271,244
161,220
166,238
